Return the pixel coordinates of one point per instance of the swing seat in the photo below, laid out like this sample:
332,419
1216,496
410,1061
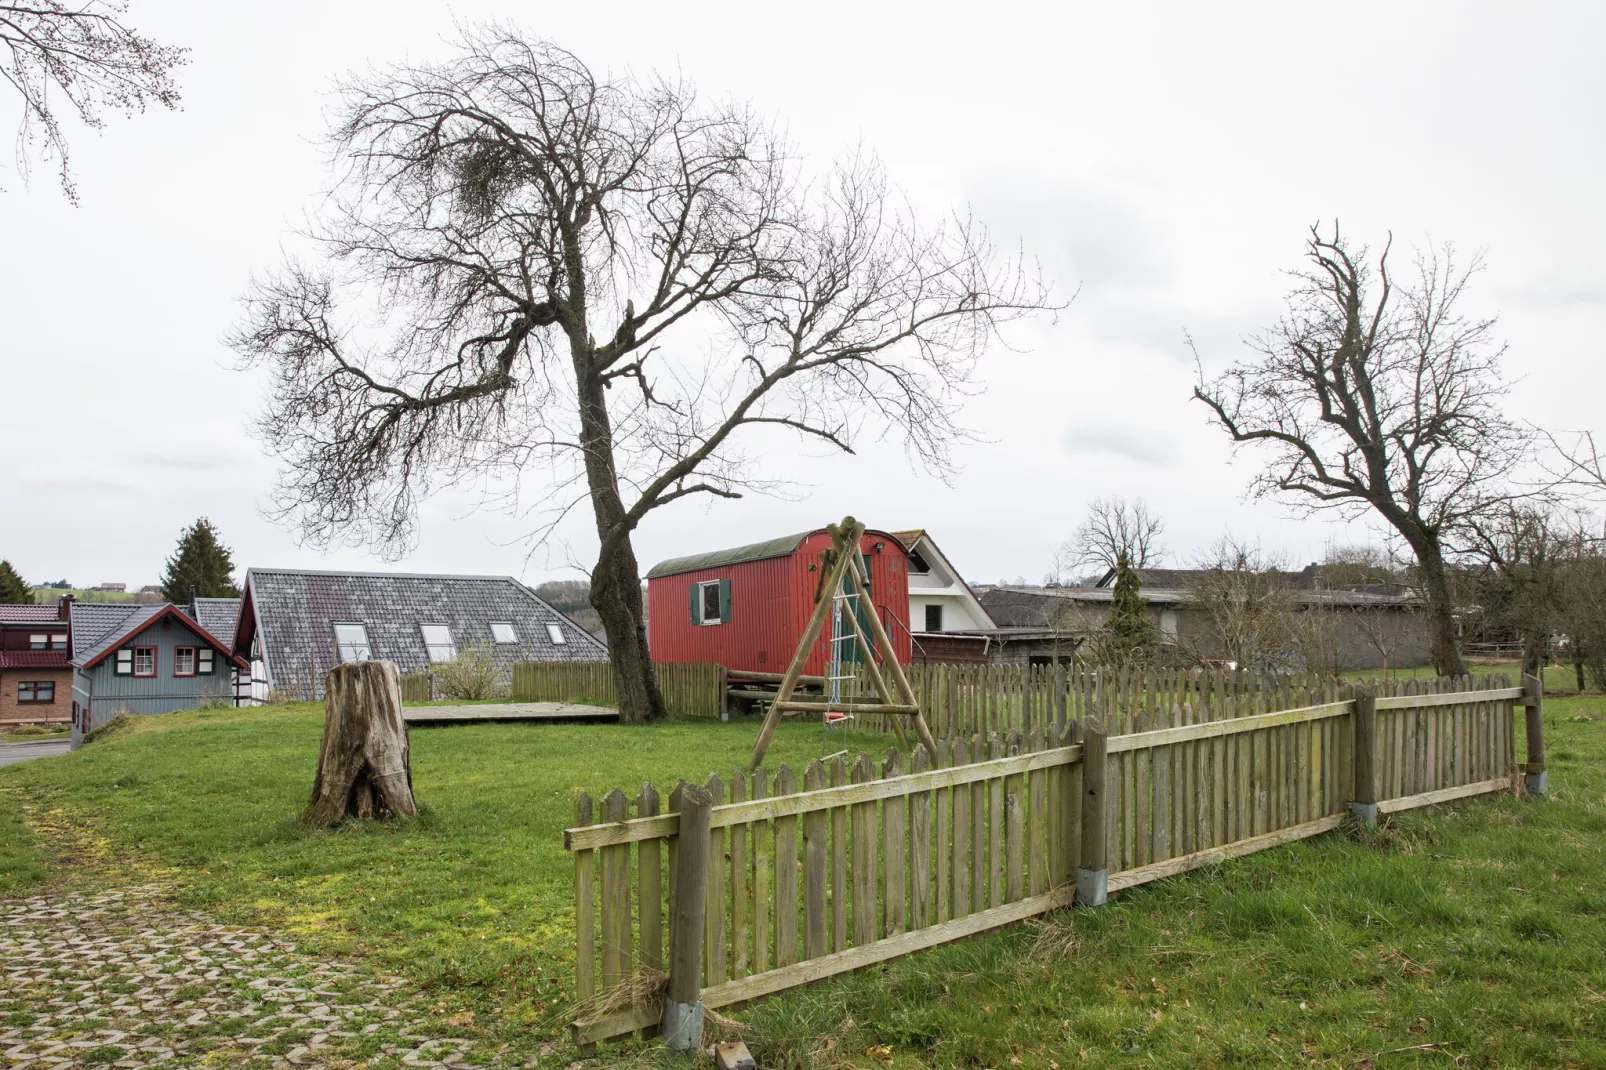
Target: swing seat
836,717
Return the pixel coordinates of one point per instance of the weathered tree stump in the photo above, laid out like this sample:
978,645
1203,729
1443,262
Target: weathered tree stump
364,769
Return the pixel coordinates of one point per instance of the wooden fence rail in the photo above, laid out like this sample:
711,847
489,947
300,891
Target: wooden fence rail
852,864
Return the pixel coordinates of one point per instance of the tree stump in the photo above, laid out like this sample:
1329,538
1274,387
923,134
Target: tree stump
364,769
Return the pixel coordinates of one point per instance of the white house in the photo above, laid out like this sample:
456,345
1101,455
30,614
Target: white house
947,621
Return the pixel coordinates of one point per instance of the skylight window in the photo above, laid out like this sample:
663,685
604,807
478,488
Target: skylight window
555,634
438,642
351,642
503,633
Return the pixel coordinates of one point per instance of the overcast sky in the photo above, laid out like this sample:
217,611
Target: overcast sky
1162,161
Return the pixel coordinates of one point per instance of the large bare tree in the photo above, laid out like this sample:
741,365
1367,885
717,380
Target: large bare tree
78,59
1373,394
607,286
1113,526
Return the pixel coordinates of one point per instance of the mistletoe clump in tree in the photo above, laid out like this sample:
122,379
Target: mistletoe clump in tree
201,562
528,266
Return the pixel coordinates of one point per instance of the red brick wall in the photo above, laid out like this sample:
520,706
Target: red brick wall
29,712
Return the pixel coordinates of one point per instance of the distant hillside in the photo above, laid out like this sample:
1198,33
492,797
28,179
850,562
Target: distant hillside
46,595
573,598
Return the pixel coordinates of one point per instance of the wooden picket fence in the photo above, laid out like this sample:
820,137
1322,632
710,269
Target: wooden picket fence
689,690
852,865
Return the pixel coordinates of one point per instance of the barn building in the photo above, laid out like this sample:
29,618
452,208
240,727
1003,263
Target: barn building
746,608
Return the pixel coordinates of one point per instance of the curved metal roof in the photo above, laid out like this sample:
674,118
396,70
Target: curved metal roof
756,551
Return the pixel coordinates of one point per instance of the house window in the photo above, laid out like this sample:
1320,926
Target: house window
203,661
351,642
36,691
144,661
39,641
934,618
438,642
503,633
125,661
555,633
184,661
711,602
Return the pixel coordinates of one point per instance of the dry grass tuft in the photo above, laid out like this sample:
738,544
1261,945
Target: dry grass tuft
1054,941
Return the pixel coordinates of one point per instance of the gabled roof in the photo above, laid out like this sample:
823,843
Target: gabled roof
96,632
291,614
217,615
12,613
753,551
913,537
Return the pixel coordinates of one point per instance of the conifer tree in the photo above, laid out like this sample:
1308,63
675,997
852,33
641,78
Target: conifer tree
1129,636
12,590
203,561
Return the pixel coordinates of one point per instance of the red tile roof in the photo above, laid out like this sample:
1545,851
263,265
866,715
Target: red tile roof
33,659
10,612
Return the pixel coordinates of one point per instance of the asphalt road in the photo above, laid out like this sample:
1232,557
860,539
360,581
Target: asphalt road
12,753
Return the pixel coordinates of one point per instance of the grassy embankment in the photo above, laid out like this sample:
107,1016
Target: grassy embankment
1475,934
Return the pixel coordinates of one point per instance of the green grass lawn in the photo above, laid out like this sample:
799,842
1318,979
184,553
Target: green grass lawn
1472,936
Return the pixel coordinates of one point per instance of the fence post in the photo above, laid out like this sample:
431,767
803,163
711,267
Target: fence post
1363,803
1536,780
1093,873
683,1006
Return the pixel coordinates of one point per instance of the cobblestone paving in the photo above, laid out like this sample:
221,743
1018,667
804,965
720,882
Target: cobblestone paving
122,979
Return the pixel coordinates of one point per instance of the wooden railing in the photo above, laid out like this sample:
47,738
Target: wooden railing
848,867
689,690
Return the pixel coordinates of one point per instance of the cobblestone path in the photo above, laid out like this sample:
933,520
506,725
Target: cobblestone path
122,979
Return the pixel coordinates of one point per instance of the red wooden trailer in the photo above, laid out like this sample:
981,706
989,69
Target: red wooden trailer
746,608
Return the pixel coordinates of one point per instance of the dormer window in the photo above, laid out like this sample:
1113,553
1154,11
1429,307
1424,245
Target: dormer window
555,633
503,633
351,643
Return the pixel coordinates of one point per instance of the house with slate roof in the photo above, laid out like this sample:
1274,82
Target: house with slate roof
296,624
35,679
146,659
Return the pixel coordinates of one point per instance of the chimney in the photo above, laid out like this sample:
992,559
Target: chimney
193,610
64,610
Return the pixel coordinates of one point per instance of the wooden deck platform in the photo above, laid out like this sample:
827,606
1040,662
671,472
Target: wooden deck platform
508,711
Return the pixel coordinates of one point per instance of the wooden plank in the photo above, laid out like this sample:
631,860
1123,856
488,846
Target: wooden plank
978,835
1447,698
741,948
1211,729
1037,824
1161,756
961,844
920,848
1183,863
1443,795
763,876
585,911
996,805
1095,767
864,858
663,826
894,840
716,960
816,827
615,865
786,919
650,887
839,860
943,847
1014,842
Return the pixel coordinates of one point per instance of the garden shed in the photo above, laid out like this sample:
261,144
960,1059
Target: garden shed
746,608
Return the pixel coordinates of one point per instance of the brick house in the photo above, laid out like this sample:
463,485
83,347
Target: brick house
35,674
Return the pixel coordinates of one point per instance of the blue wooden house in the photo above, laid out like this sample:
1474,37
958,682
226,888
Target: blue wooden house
145,659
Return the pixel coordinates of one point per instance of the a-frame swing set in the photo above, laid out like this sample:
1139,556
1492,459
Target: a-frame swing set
844,598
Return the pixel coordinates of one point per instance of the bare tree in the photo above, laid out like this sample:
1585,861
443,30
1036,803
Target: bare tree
79,58
1372,395
1525,551
1246,600
1113,526
609,279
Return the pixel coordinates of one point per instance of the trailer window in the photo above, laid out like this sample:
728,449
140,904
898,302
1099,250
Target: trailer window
711,603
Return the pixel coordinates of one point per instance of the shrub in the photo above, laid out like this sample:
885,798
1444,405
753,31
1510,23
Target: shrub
471,675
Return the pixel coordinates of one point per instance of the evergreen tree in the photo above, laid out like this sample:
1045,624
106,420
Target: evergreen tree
203,561
12,590
1129,636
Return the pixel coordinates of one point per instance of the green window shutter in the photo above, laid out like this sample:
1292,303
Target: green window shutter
696,603
725,601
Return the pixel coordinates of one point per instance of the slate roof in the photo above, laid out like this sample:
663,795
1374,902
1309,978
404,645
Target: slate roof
33,659
998,598
29,613
217,615
296,610
99,626
755,551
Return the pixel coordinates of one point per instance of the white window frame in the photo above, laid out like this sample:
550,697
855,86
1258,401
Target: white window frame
554,632
512,634
178,665
360,652
433,651
155,656
124,665
205,661
702,601
39,641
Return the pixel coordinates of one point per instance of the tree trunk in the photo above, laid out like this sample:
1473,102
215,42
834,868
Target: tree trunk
363,765
1441,610
616,580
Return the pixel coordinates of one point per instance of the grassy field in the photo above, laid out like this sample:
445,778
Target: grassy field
1472,936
